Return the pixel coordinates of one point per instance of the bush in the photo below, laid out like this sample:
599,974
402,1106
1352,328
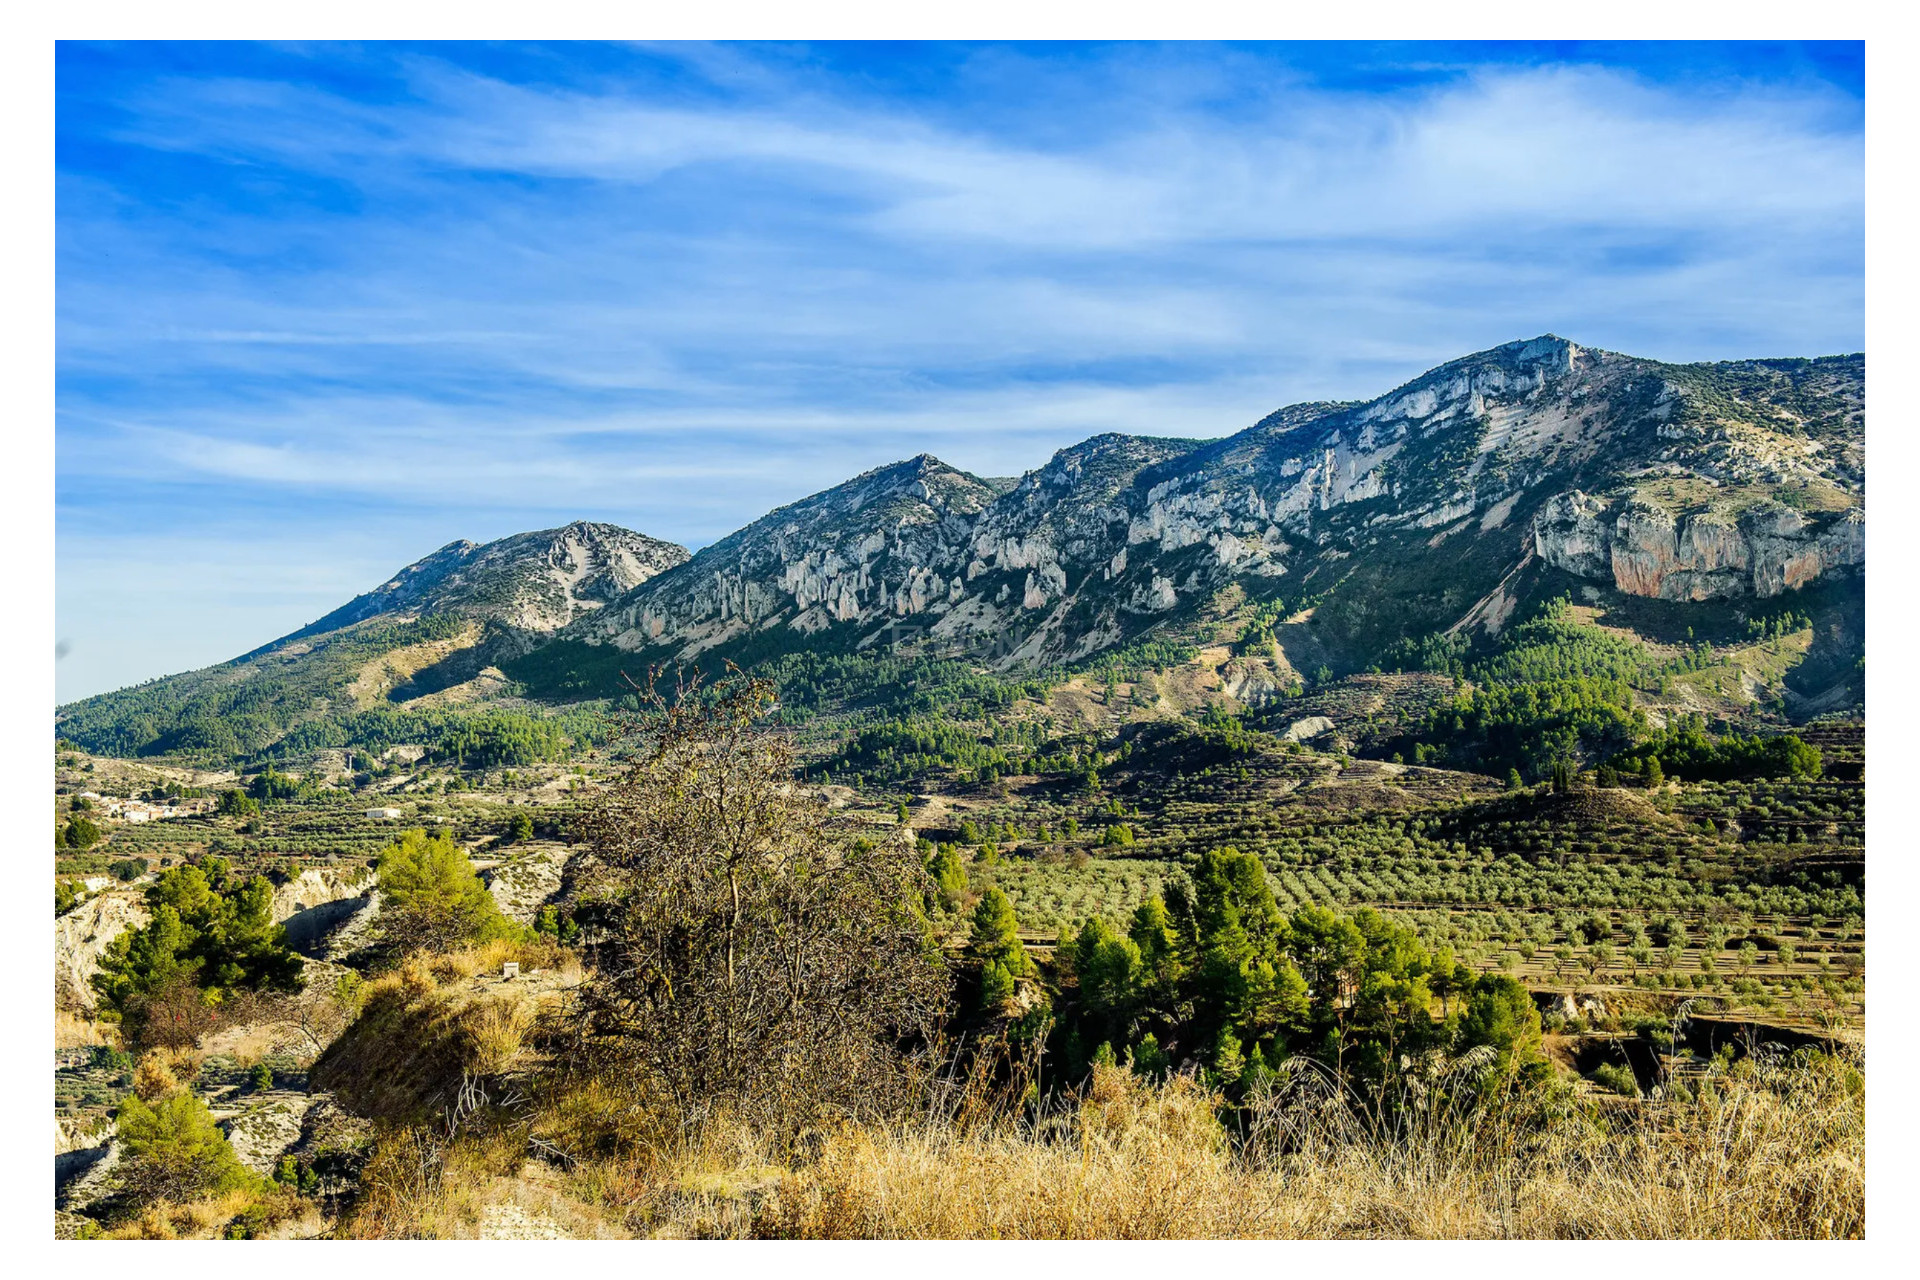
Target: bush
1616,1079
751,959
80,833
434,900
174,1151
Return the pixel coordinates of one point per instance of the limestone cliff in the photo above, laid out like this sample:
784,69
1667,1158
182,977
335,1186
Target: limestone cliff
1645,550
1420,505
82,935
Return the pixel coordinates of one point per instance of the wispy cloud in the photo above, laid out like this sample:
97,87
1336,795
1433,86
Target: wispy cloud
371,288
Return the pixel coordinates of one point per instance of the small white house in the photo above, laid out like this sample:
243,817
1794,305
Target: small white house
384,815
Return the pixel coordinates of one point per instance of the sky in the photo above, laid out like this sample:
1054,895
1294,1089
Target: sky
322,309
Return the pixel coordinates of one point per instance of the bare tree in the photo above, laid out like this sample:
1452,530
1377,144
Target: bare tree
749,955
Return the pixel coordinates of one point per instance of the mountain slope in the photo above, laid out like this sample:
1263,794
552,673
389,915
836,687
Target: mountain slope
863,551
423,641
1325,537
534,582
1436,506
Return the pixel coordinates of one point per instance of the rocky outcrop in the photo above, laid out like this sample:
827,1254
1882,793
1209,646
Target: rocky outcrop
878,548
269,1127
1644,550
1119,534
320,903
1308,729
528,882
82,935
83,1178
317,886
530,582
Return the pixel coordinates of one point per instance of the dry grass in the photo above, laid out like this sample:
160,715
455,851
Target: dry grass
435,1022
1771,1149
280,1216
1771,1153
71,1031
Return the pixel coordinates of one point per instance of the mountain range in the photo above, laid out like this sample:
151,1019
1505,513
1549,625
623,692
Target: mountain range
1439,507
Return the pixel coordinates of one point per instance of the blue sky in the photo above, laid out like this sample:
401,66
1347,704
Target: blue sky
322,309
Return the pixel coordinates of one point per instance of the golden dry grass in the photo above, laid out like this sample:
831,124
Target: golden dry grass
71,1031
1769,1149
1767,1153
1770,1153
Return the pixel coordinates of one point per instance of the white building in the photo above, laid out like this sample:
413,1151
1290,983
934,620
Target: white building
384,815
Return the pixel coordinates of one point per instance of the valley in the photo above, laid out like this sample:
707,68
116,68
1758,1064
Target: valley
1542,677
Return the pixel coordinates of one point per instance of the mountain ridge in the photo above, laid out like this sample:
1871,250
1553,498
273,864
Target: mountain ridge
1435,507
1482,445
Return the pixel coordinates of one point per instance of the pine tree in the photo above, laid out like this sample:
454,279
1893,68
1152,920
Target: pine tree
1229,1064
996,934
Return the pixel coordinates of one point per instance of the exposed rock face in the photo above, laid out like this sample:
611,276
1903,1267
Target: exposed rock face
268,1128
1118,534
79,938
871,549
85,1177
1644,550
317,886
527,883
535,582
1308,729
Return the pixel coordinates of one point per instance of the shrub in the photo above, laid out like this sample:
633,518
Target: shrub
1616,1079
433,899
752,959
174,1151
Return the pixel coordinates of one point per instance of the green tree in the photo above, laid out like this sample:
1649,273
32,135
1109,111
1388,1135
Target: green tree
1501,1015
1109,967
172,1150
80,833
208,933
1227,1063
521,828
996,934
996,986
949,873
1599,956
432,898
238,804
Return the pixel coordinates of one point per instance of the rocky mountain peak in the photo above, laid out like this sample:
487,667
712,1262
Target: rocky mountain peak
533,582
1468,466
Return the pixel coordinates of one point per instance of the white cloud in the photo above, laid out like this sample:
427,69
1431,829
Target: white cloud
678,311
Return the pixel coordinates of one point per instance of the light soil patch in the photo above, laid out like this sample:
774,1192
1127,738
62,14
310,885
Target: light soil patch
490,683
378,678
